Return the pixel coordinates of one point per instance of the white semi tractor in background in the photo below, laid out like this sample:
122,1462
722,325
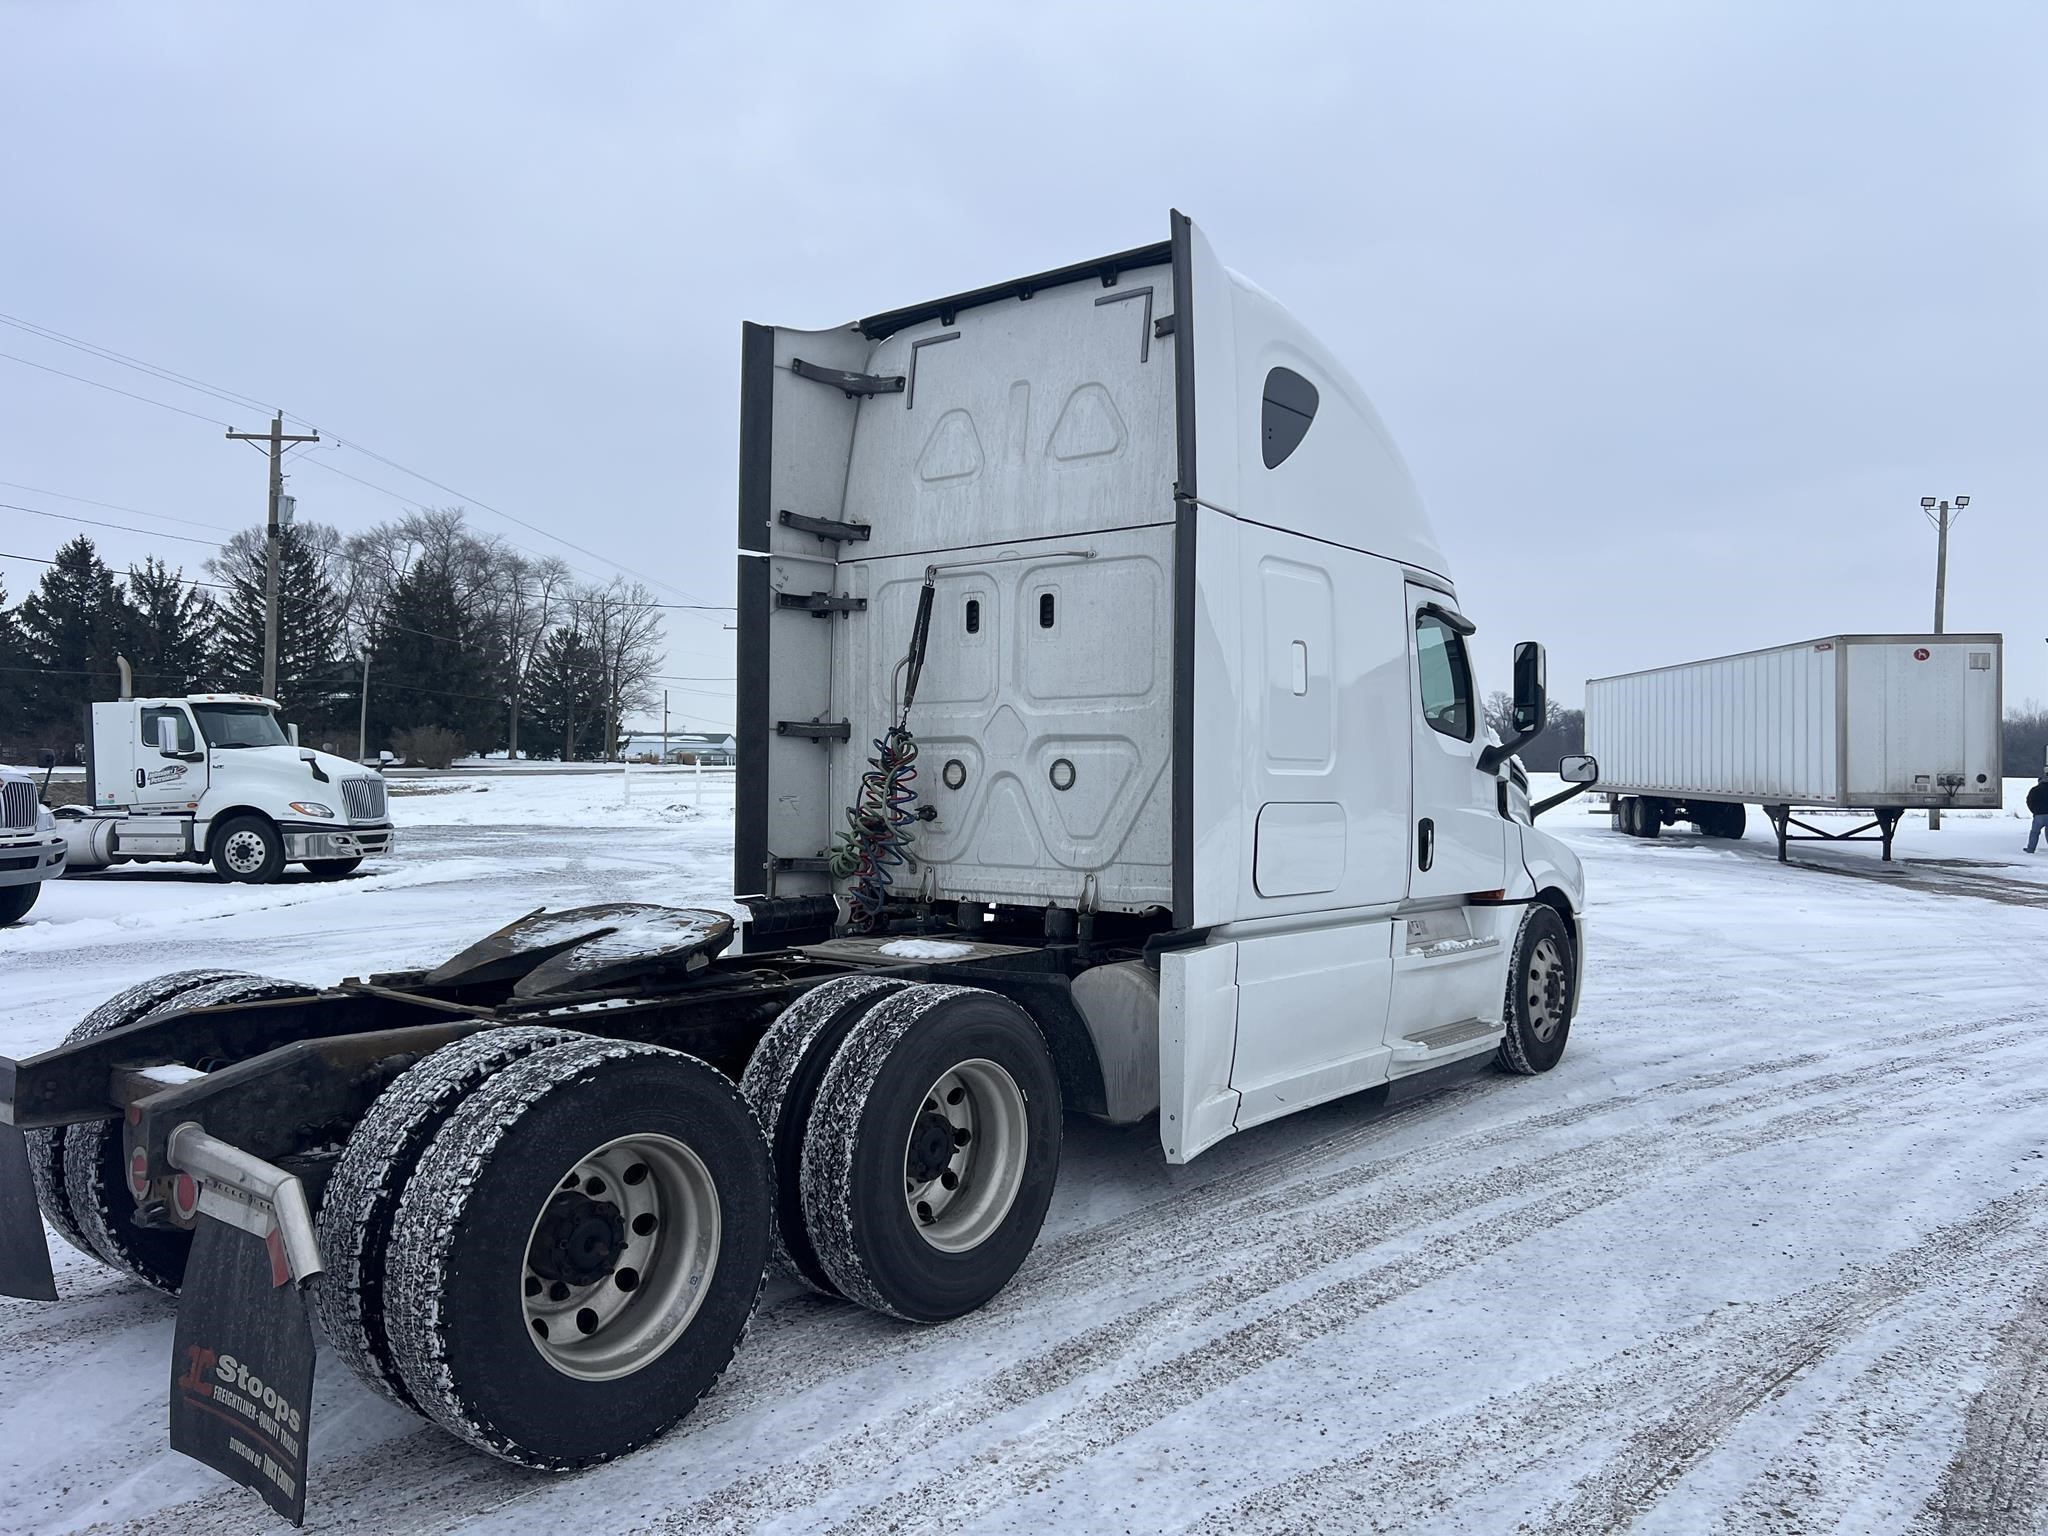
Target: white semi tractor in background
31,847
1111,743
215,778
1881,724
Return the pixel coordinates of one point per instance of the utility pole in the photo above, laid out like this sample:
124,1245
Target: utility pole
277,437
1938,513
664,725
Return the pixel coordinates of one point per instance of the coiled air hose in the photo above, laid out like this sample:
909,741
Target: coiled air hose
876,841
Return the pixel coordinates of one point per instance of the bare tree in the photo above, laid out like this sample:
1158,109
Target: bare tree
622,623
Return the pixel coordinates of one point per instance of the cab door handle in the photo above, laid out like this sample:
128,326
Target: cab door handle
1425,843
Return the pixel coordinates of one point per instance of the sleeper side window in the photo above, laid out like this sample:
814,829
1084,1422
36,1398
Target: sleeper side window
184,724
1289,406
1446,677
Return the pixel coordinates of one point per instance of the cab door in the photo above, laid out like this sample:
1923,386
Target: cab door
166,783
1458,842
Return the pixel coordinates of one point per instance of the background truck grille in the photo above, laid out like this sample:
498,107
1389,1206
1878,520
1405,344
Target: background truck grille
17,806
364,799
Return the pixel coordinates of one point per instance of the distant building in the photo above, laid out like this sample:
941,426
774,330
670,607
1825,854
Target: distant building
714,749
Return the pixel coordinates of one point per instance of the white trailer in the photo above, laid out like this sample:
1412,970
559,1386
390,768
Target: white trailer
31,848
1876,723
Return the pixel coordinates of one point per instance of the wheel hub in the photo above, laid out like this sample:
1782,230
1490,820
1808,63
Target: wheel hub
931,1148
578,1240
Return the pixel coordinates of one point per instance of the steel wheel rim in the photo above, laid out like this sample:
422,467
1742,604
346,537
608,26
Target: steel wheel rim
246,852
1546,990
983,1110
668,1229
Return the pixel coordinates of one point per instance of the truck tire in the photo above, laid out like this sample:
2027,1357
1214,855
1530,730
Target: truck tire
1628,816
46,1143
931,1152
248,850
1543,989
781,1084
1730,821
15,901
361,1200
95,1172
332,869
578,1253
1649,818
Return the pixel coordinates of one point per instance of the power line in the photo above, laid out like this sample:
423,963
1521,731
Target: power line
168,375
112,506
96,384
72,517
232,397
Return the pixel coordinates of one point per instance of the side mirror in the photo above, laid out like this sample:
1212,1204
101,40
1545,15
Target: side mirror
293,732
1531,708
166,736
1579,769
46,759
1532,691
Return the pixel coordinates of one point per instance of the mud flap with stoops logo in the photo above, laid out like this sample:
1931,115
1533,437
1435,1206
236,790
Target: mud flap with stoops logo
242,1364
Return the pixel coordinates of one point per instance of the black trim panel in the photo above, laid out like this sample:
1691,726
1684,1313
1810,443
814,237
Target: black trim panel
752,727
1104,269
1185,510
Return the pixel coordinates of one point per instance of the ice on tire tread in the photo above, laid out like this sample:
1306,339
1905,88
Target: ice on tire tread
360,1205
433,1205
773,1067
834,1131
46,1143
85,1145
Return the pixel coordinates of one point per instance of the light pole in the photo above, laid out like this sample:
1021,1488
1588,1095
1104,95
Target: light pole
363,720
1938,513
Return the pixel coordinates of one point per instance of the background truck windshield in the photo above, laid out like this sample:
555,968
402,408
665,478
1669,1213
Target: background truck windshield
238,725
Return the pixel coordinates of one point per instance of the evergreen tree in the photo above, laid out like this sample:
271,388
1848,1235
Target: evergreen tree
431,664
564,701
70,630
13,686
170,635
314,675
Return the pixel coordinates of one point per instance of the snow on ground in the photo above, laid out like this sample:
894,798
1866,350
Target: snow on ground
1768,1252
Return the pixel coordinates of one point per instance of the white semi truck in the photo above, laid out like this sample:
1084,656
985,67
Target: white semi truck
31,848
1110,743
1880,724
213,777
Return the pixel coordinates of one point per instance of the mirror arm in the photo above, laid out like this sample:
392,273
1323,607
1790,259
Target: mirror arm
1491,759
1551,802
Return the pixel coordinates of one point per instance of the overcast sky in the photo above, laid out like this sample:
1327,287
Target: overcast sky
1675,310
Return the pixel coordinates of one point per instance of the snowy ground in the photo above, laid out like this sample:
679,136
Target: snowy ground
1767,1253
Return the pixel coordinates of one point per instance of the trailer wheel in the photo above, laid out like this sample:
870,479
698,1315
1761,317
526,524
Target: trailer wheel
46,1143
781,1083
578,1252
101,1205
1543,990
1728,821
361,1201
1649,818
931,1153
248,850
332,869
15,901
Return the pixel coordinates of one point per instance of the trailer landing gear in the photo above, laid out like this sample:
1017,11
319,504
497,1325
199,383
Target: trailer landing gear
1885,826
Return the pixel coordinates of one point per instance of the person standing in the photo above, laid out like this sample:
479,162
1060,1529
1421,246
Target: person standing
2037,804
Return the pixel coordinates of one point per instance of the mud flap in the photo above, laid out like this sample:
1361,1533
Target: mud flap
24,1251
242,1363
242,1356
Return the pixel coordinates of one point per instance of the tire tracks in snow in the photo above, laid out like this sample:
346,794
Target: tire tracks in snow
1702,1379
822,1343
1997,1482
1570,1183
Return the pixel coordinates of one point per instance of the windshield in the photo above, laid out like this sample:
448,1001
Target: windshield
238,725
